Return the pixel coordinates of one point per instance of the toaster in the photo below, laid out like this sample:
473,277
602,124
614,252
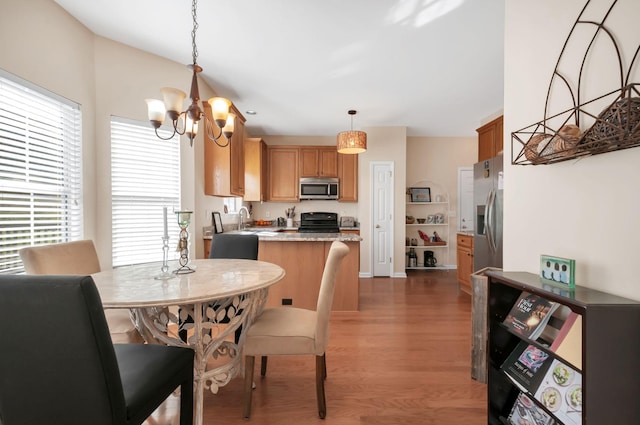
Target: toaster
347,222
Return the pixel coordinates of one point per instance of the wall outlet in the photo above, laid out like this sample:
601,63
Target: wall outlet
287,301
267,214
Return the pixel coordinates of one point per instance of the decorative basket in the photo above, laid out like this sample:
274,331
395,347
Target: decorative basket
616,126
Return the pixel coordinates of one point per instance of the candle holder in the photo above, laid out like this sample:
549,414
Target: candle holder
184,218
164,275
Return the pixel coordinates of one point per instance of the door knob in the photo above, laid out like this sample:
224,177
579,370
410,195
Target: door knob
377,226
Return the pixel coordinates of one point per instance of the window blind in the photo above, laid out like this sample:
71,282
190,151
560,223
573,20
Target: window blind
40,170
145,177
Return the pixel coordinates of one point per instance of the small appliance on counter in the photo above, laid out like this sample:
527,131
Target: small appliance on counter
318,222
347,221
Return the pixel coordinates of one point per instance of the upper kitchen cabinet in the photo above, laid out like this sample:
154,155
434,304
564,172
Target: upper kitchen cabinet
283,173
255,170
224,166
318,161
348,176
490,139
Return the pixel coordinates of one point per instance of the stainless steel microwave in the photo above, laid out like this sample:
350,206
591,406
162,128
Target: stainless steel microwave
318,188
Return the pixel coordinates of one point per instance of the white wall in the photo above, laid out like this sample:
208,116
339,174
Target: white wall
582,209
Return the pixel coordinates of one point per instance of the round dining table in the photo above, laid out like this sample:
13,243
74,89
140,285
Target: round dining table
208,305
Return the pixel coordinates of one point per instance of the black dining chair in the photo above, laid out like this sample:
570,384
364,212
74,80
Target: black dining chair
232,246
59,365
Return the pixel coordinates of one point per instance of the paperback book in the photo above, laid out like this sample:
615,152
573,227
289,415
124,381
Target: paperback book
529,315
526,412
526,366
560,391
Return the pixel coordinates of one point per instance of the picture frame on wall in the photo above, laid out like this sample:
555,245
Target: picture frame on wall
217,222
558,270
420,194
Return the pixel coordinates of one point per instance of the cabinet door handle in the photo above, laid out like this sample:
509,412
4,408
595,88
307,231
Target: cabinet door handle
377,226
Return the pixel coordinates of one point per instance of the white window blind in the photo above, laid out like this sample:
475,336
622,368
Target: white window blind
40,170
145,177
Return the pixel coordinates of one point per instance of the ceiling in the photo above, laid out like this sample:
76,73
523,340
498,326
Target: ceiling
433,66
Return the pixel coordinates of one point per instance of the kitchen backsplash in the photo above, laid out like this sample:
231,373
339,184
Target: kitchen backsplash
273,210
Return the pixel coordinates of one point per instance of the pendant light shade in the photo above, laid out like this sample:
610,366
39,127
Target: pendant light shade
352,142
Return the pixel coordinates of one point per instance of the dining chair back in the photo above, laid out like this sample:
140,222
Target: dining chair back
233,245
59,365
78,258
295,331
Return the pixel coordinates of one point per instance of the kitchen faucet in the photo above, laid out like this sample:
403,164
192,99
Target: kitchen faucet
240,222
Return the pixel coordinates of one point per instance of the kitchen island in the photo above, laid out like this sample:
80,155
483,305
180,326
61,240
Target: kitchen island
303,256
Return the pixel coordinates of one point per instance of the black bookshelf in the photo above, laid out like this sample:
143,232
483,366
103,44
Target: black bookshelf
610,348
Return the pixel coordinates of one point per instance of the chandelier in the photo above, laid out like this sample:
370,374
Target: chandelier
186,122
352,142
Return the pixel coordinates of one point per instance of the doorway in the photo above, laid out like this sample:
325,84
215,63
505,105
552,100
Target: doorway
381,173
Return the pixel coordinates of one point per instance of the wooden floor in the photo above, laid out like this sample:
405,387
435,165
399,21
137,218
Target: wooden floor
403,359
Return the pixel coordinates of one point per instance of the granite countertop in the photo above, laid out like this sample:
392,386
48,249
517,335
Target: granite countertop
466,232
279,236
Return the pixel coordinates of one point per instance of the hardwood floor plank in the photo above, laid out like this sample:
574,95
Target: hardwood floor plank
404,358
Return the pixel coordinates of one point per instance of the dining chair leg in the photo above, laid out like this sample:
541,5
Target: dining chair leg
186,401
322,403
249,362
263,366
324,366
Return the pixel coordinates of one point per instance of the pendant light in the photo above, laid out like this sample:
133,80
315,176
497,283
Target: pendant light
352,142
186,122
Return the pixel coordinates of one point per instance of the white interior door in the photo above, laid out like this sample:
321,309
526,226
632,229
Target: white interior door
382,217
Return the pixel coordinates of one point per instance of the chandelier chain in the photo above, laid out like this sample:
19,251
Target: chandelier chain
194,6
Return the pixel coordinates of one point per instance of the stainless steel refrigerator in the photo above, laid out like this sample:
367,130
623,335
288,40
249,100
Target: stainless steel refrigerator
488,207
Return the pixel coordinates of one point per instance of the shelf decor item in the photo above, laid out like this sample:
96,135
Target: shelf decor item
588,126
420,194
184,219
558,270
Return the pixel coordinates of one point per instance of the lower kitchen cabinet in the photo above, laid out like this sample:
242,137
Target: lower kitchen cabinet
465,262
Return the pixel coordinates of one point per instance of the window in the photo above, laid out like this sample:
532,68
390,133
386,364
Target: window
145,177
233,204
40,169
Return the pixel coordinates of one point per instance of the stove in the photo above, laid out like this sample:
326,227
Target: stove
318,222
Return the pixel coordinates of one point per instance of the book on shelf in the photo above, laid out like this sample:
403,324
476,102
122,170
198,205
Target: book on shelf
529,315
526,366
560,391
526,412
554,384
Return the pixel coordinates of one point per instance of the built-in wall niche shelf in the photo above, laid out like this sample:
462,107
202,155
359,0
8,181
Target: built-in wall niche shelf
427,211
593,125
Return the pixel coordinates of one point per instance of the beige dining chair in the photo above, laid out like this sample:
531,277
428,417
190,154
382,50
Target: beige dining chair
294,331
78,258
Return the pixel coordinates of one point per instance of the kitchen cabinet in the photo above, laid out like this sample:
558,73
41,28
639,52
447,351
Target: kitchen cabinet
301,284
348,177
283,173
255,170
224,166
464,261
605,352
318,161
490,139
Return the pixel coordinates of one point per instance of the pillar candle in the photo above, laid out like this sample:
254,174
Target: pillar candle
166,229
